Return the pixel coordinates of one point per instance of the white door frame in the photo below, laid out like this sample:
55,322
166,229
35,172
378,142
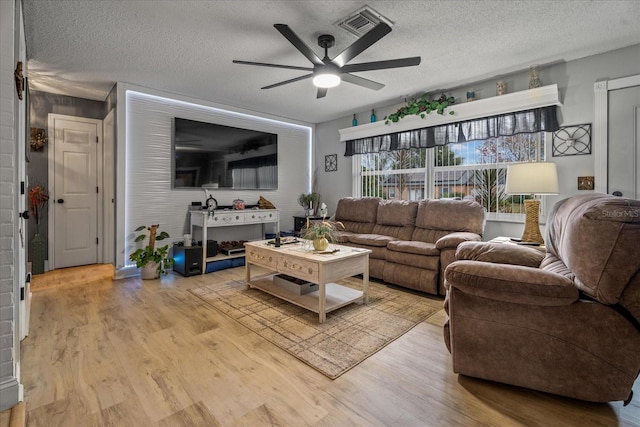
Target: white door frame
52,191
601,127
108,193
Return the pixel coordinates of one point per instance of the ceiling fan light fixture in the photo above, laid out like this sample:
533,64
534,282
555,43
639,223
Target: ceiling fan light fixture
326,80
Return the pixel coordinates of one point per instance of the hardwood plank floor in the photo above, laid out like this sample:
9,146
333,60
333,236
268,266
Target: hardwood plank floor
149,353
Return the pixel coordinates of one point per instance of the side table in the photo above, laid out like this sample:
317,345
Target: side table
507,240
299,222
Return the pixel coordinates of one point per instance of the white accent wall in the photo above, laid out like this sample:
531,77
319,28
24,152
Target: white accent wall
144,193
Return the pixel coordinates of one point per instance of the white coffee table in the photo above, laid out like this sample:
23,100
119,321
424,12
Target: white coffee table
297,260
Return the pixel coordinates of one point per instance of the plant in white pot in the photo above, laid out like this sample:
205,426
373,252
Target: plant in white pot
153,261
309,202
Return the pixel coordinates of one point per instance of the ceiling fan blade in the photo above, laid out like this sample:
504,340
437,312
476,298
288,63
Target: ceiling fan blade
322,92
264,64
299,44
297,79
375,34
360,81
381,65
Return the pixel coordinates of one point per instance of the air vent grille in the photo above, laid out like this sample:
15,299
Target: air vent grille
362,21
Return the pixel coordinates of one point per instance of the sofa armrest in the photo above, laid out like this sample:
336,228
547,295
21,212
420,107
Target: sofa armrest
501,253
511,283
452,240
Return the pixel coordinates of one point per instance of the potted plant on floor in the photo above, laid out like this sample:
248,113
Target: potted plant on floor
321,233
153,261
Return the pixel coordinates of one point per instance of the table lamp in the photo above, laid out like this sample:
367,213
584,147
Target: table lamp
532,178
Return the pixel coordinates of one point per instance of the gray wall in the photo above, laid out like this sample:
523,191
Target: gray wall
575,80
43,103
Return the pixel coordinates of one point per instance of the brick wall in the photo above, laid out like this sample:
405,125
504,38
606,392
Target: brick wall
8,206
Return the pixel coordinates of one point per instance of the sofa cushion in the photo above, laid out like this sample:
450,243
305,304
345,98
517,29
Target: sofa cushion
394,231
357,227
396,218
343,236
427,234
428,262
352,209
370,239
397,212
413,247
450,215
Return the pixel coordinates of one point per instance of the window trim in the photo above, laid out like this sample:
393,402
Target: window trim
430,179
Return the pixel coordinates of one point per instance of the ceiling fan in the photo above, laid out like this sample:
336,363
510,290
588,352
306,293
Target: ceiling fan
327,72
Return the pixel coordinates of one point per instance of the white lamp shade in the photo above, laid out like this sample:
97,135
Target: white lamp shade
532,178
326,80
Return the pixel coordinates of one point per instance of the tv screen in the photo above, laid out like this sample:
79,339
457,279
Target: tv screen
209,155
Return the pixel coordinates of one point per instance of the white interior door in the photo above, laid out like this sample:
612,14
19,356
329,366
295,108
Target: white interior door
74,231
624,142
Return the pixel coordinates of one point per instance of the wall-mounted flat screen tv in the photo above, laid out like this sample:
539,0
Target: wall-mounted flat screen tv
209,155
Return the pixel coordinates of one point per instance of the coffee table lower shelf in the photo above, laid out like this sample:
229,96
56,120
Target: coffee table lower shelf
336,295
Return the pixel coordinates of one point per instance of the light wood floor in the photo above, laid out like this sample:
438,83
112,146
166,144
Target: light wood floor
149,353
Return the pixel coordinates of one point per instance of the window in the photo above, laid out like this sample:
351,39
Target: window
471,170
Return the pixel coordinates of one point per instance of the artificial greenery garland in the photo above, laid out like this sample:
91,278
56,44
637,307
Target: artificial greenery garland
421,107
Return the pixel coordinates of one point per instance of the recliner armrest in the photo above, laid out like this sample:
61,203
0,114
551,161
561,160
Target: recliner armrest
501,253
511,283
452,240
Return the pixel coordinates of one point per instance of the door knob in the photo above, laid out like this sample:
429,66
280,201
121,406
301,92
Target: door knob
60,200
24,214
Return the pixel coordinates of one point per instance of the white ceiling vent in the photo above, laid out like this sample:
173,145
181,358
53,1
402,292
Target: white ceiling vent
362,20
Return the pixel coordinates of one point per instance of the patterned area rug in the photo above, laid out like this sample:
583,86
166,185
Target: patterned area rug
349,335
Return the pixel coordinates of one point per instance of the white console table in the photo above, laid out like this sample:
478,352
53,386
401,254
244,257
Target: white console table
228,218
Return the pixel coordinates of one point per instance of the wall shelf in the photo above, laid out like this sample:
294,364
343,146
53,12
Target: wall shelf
517,101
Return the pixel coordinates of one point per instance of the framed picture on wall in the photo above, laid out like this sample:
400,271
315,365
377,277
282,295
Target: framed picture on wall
331,163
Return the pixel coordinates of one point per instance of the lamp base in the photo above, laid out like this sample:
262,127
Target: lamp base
531,226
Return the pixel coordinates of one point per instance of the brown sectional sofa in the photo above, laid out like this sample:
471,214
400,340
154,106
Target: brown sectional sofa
565,322
411,242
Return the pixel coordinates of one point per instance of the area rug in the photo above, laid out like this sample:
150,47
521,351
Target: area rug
349,335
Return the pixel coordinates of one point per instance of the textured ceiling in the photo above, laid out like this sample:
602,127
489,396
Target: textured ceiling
81,48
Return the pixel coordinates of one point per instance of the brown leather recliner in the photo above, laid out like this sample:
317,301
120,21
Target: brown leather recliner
566,322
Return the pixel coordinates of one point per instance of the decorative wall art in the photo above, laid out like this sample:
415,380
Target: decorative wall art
571,140
38,138
331,163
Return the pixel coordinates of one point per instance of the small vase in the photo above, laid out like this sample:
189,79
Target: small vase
320,244
37,254
534,77
501,87
150,271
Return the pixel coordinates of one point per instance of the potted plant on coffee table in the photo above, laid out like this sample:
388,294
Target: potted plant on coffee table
321,233
153,261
